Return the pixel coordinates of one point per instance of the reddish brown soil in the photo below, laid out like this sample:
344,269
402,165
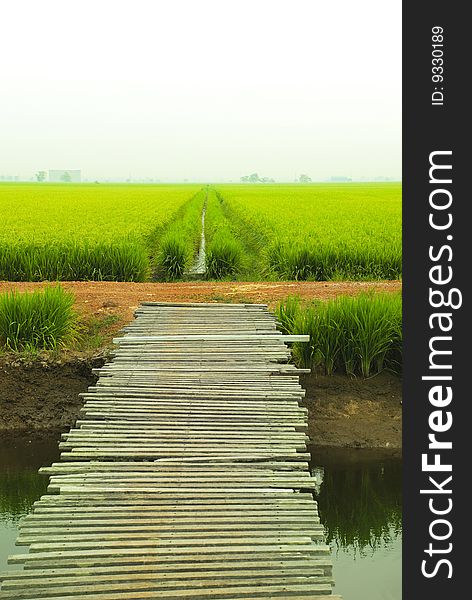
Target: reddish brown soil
43,395
104,297
354,412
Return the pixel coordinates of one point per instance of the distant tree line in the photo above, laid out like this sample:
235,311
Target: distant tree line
254,178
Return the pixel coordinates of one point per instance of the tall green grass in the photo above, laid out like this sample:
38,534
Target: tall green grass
318,262
225,252
224,256
120,260
180,239
106,232
129,232
359,335
40,320
321,231
174,256
251,240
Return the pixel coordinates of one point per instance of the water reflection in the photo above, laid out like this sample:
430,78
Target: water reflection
360,503
18,492
359,496
20,483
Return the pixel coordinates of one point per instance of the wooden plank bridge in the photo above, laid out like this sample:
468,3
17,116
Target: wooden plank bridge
186,475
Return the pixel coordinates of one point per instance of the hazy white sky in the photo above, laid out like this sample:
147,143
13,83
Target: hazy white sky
201,89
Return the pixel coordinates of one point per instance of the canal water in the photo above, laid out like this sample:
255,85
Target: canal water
360,505
359,496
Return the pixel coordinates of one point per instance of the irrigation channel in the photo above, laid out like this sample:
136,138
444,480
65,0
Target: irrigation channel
187,475
198,269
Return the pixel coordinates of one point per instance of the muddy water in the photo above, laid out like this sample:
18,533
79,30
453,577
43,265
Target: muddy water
360,502
20,484
359,499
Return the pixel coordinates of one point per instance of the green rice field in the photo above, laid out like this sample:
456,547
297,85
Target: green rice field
322,231
253,232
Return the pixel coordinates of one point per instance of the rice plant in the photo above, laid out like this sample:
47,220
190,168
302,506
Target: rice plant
128,232
313,261
225,252
287,313
84,232
356,335
224,257
173,257
180,239
322,231
121,260
40,320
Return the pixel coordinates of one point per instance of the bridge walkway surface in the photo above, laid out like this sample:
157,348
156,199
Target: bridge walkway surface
186,475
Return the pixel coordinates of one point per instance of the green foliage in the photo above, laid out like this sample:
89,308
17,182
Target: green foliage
84,232
323,231
287,313
96,331
180,239
173,256
322,263
357,335
123,232
225,252
223,256
37,320
121,260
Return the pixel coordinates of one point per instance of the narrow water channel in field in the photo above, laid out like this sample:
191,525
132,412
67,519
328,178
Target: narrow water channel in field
359,496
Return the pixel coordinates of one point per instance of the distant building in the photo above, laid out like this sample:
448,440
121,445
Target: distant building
339,179
65,175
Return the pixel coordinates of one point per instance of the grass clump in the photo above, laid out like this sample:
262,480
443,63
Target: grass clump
173,256
359,335
180,239
224,256
225,253
97,331
41,320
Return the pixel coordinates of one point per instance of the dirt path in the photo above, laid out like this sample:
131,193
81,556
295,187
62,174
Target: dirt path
121,298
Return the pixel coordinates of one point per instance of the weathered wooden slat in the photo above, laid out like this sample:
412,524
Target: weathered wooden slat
175,580
270,590
170,586
184,570
209,337
33,522
307,548
152,533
